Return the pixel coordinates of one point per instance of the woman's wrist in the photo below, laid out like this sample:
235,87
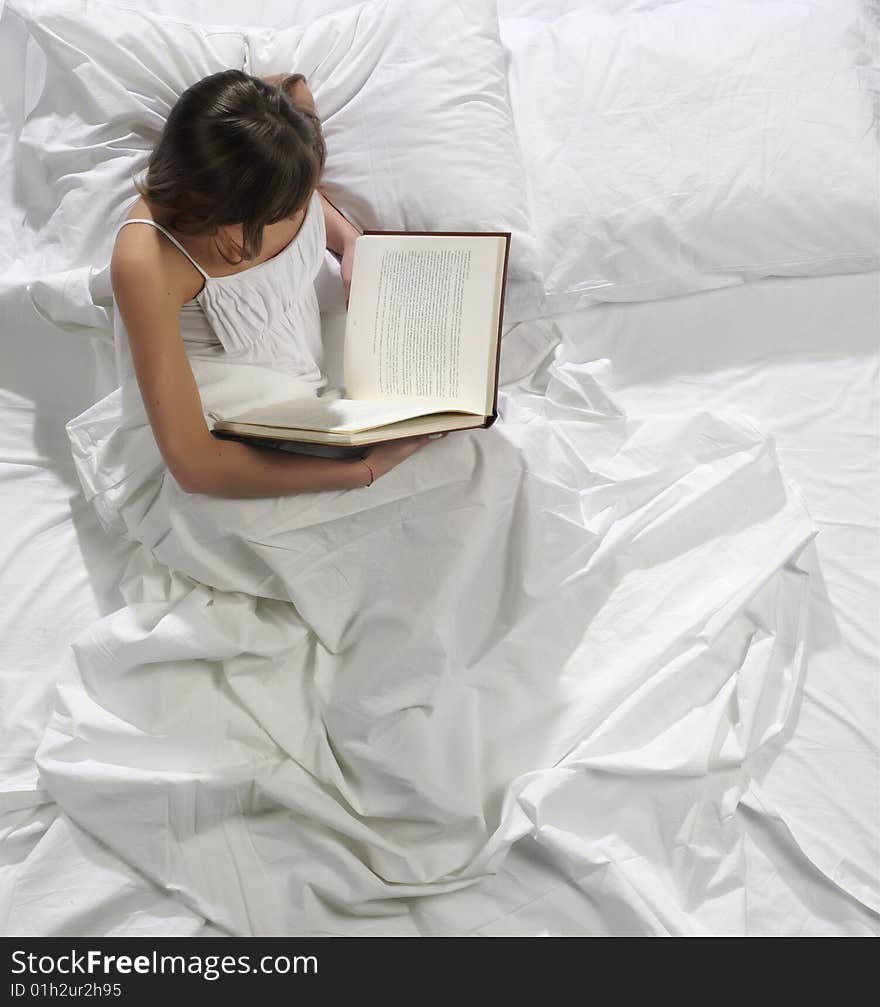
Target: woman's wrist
362,473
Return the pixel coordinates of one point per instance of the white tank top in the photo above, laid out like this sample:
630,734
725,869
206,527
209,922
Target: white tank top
266,315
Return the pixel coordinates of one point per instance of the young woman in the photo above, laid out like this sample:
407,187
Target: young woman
231,188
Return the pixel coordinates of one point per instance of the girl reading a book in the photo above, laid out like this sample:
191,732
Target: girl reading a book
213,275
236,231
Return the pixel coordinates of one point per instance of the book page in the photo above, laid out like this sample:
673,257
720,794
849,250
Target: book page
422,319
334,415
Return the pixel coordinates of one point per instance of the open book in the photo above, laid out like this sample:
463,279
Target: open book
421,351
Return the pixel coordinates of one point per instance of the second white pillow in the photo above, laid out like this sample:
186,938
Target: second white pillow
675,147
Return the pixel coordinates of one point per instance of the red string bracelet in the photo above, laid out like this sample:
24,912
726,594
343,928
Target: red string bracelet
372,476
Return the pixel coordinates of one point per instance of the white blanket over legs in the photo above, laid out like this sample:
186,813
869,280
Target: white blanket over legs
340,700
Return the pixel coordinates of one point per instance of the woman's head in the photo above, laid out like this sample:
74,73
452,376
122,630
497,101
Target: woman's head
234,150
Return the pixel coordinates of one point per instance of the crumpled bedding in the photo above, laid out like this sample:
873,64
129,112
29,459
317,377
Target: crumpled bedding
342,699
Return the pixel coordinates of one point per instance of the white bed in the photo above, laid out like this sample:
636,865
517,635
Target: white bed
784,839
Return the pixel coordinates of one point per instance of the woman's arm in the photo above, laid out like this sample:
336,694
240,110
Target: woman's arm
231,469
149,302
240,470
341,237
340,231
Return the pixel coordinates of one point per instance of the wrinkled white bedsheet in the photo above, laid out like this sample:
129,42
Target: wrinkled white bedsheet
510,609
797,854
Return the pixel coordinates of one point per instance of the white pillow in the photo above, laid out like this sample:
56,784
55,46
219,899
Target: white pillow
674,147
413,98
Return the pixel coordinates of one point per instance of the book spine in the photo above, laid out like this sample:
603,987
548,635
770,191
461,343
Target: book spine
500,320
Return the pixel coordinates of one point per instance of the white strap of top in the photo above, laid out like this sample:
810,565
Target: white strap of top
146,220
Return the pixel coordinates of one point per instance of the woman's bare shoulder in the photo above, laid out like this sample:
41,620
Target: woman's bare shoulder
143,257
137,242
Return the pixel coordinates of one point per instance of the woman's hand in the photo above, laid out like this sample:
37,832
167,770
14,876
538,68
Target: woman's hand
295,87
385,456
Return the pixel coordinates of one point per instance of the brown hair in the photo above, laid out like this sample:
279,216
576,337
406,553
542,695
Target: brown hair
234,150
